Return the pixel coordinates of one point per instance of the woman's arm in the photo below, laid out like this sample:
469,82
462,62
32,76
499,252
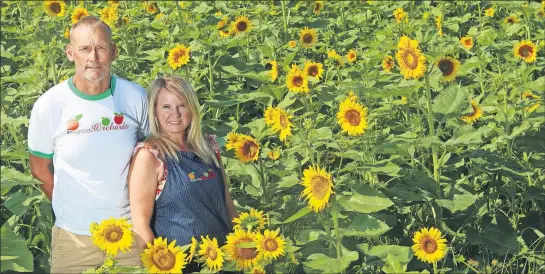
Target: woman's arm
143,181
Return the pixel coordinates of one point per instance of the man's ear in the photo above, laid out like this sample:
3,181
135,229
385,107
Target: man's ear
69,53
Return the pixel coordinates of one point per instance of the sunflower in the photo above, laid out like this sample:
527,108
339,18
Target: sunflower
449,67
192,249
292,44
411,62
151,7
232,139
274,154
332,54
351,56
250,220
476,114
282,123
79,13
313,69
162,258
269,115
425,15
352,96
109,15
246,149
112,235
388,63
240,248
242,24
113,2
318,187
210,252
439,24
308,37
530,96
297,81
400,14
489,12
178,56
270,244
318,6
224,33
541,13
429,246
525,50
221,23
407,43
467,42
55,8
511,20
274,70
67,33
352,117
257,270
218,13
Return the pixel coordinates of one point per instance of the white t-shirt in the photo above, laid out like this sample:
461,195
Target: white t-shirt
91,140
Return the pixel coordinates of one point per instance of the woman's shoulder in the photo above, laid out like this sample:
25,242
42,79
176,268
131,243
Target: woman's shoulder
147,146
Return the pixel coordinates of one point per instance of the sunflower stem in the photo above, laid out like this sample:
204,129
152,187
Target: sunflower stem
181,21
55,76
335,216
210,74
263,185
285,21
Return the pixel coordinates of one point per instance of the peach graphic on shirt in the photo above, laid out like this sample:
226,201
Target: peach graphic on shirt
118,119
105,121
191,175
73,124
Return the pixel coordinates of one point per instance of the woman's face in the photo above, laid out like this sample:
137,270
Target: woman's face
173,113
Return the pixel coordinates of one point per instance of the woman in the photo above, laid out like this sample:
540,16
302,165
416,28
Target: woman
177,184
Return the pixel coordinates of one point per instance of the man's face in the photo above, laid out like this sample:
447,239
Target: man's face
92,52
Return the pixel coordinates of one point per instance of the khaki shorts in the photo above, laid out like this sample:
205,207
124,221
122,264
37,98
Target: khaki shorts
73,253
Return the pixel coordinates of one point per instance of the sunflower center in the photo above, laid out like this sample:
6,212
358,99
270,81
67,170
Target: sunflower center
353,117
313,70
297,81
351,56
271,245
178,54
525,51
429,245
211,253
317,7
246,253
241,26
249,149
113,234
468,42
164,259
410,59
283,121
307,38
446,67
510,20
320,186
55,7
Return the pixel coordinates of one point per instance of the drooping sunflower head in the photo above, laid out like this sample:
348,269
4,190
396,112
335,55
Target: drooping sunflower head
411,63
269,115
352,117
232,140
308,37
178,56
297,81
162,258
246,149
274,70
352,96
400,14
250,220
489,12
351,56
224,33
151,7
313,69
274,154
473,116
221,23
67,33
466,42
192,249
511,19
270,244
292,44
210,252
528,95
79,13
109,15
282,123
240,248
318,6
241,25
429,246
449,68
112,235
55,8
439,24
388,63
318,187
258,269
525,50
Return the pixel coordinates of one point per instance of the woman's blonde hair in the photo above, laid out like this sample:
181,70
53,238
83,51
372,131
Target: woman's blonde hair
194,136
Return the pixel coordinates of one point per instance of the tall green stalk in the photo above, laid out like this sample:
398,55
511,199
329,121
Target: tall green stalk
285,21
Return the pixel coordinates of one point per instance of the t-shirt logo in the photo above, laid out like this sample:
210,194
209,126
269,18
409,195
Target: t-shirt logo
104,125
73,124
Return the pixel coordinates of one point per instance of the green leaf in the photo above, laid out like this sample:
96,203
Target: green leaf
365,200
459,202
393,266
289,181
11,177
399,253
15,254
497,236
78,117
497,164
451,103
310,235
366,226
304,211
326,264
466,135
486,37
15,203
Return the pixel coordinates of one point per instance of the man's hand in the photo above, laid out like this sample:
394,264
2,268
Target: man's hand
39,167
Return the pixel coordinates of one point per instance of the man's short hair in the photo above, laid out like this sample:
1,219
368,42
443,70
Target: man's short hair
92,21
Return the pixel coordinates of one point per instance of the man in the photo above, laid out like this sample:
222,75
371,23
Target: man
87,128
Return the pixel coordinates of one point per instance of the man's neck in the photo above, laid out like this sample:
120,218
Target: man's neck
92,87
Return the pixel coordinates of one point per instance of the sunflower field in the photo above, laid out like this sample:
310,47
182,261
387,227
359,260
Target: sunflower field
358,136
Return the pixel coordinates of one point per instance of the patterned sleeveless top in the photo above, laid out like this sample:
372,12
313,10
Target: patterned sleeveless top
190,198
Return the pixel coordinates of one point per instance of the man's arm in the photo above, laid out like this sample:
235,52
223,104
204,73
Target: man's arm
39,167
